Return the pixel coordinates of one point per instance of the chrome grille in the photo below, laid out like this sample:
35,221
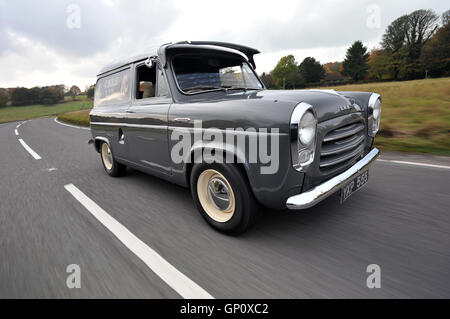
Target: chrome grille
342,146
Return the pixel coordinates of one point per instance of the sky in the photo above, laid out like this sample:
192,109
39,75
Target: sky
44,42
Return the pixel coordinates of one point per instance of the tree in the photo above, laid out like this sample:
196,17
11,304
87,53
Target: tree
355,63
22,96
34,94
379,61
267,80
3,97
332,67
287,74
446,18
90,92
75,90
311,70
412,30
395,35
49,96
422,24
404,39
436,53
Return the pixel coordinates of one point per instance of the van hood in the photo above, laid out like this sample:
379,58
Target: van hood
327,103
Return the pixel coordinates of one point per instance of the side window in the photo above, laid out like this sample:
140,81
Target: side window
113,89
145,82
163,87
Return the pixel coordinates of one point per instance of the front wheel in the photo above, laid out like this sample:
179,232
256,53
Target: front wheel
111,166
223,197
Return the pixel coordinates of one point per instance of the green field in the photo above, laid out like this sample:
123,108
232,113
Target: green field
415,115
20,113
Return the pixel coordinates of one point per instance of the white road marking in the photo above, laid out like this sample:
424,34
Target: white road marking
33,153
15,131
74,126
415,164
21,123
168,273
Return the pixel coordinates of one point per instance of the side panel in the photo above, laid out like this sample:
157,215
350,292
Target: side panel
107,122
147,134
108,117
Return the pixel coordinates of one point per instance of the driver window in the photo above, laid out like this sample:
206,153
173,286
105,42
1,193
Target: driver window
145,82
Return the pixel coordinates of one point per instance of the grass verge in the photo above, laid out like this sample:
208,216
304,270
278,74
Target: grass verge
80,118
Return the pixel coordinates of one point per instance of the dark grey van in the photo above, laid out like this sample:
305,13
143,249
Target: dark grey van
197,114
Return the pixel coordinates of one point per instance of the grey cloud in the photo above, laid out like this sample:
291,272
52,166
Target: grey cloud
335,23
45,22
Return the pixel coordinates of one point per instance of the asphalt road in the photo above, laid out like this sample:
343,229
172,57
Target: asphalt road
399,221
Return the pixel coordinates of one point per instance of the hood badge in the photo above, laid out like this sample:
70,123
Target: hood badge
344,108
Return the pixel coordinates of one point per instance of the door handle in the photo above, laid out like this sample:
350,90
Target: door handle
182,119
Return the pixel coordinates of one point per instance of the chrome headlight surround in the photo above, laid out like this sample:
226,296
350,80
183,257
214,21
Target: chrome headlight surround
374,114
303,135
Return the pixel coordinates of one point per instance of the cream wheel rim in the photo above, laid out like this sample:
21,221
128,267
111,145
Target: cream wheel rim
216,195
107,156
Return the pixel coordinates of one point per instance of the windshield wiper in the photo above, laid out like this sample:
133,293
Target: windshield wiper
243,88
207,88
225,88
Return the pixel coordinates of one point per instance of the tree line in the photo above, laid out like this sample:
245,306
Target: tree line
413,46
47,95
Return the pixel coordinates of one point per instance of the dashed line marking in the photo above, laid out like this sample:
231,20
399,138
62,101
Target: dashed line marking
168,273
30,150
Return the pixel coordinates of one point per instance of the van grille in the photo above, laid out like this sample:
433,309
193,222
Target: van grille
342,146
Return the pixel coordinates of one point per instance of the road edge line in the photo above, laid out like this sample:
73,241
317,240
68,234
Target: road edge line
70,125
414,163
179,282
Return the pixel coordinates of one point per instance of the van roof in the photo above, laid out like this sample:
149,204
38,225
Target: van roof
161,53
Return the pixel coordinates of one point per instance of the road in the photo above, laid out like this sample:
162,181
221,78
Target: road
399,221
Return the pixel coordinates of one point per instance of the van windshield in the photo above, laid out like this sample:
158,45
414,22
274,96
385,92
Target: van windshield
205,73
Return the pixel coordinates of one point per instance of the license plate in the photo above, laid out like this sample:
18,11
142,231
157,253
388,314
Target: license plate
354,185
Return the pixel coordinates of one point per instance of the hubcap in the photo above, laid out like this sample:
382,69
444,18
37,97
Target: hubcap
107,156
216,195
219,194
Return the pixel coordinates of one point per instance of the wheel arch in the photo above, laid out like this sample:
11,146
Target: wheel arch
238,160
98,141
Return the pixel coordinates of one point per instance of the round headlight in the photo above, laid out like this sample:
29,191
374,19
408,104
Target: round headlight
307,128
376,116
377,109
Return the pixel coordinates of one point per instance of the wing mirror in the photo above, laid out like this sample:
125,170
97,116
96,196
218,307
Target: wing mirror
151,61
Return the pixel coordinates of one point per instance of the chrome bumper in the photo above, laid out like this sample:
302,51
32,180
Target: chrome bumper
322,191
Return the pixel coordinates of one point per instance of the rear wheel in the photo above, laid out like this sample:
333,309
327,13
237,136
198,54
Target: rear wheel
111,166
223,197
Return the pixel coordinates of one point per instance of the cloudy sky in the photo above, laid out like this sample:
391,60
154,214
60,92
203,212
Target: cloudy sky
45,42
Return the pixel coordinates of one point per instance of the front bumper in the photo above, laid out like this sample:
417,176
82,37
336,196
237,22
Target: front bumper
322,191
